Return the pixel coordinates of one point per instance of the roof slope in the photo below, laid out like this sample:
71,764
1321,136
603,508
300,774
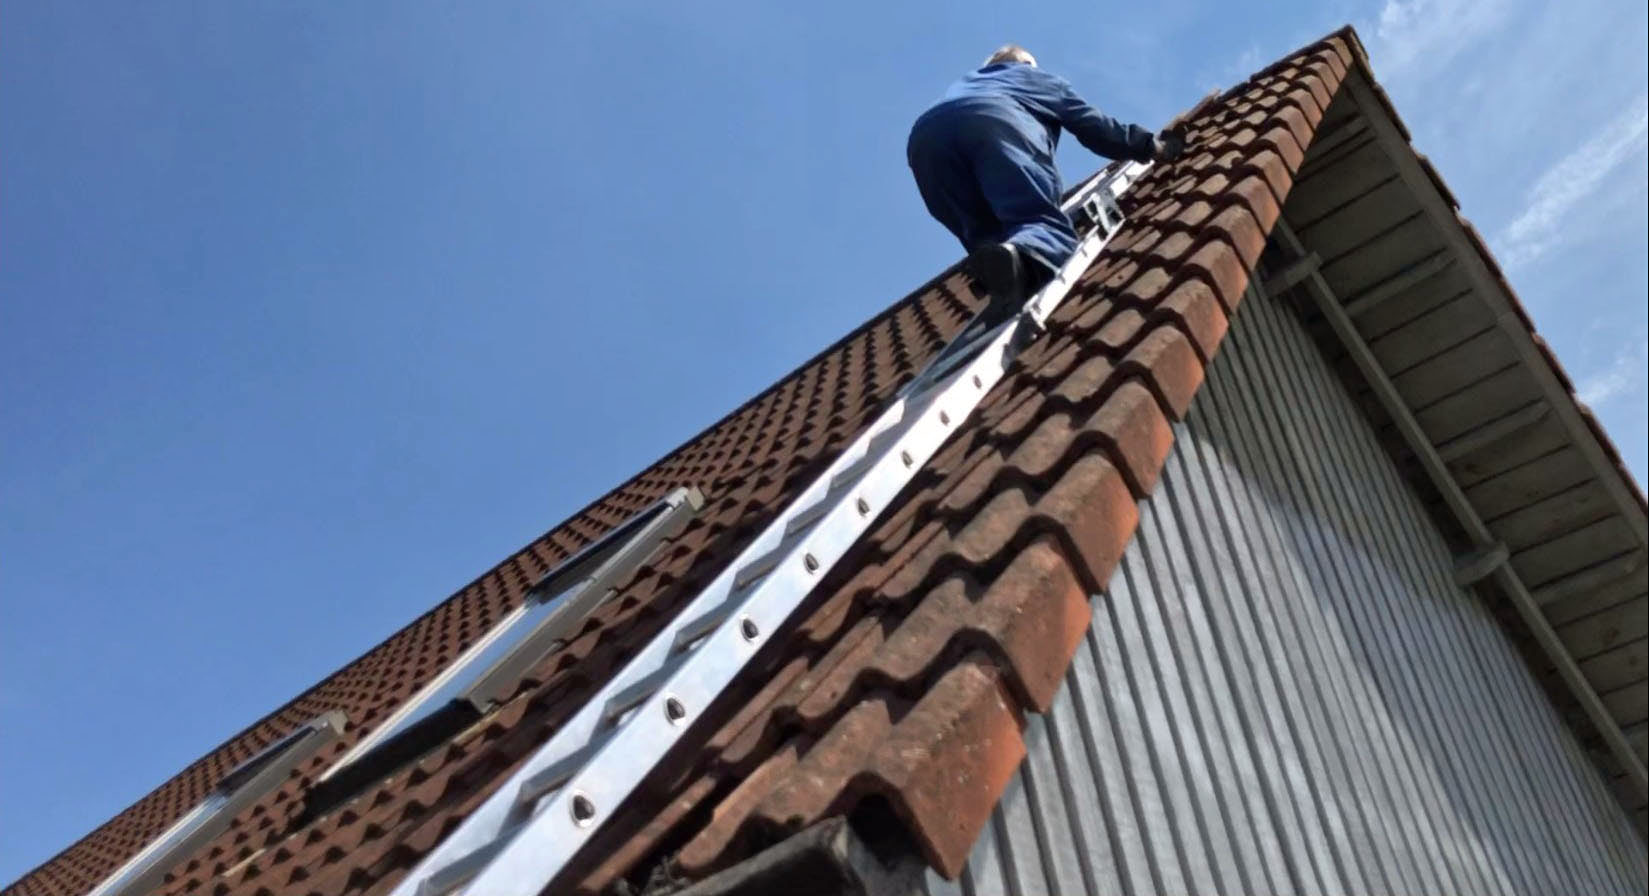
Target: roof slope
747,465
903,682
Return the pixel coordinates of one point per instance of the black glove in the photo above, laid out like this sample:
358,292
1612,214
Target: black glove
1167,146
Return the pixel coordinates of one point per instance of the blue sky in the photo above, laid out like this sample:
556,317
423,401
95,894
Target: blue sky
311,312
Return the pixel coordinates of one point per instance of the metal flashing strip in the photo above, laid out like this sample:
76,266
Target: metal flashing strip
240,788
528,832
659,523
581,582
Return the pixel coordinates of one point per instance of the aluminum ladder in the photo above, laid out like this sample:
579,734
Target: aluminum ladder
527,833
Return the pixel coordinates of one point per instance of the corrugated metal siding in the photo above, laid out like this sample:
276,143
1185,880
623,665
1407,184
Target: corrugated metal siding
1284,692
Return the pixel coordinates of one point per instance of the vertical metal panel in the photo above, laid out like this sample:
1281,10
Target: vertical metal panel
1282,690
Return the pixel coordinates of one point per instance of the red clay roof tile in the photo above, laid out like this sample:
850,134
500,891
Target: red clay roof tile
1062,449
945,764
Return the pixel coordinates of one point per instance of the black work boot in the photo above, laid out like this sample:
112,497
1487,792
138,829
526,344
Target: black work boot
1000,269
1037,275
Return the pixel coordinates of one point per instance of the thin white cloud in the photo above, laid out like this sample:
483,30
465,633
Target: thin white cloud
1568,185
1229,71
1416,34
1625,375
1248,62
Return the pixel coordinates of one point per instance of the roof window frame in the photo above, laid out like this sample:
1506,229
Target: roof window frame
238,789
571,591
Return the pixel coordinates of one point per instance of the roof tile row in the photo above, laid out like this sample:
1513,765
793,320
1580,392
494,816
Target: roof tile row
908,682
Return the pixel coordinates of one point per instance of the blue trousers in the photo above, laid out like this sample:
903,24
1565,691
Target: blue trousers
987,173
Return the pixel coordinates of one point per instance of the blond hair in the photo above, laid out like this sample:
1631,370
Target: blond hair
1011,53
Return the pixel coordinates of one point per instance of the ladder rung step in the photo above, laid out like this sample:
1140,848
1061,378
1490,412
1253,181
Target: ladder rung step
960,354
808,517
855,471
553,776
757,569
963,347
852,473
455,875
922,389
637,693
695,631
881,439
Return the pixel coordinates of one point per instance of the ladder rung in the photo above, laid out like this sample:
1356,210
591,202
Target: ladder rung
757,569
961,354
552,777
855,471
851,474
881,439
695,631
458,873
805,519
638,692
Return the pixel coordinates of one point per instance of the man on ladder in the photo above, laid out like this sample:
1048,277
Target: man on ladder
984,161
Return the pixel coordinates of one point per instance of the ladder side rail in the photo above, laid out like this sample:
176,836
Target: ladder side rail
494,817
547,828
